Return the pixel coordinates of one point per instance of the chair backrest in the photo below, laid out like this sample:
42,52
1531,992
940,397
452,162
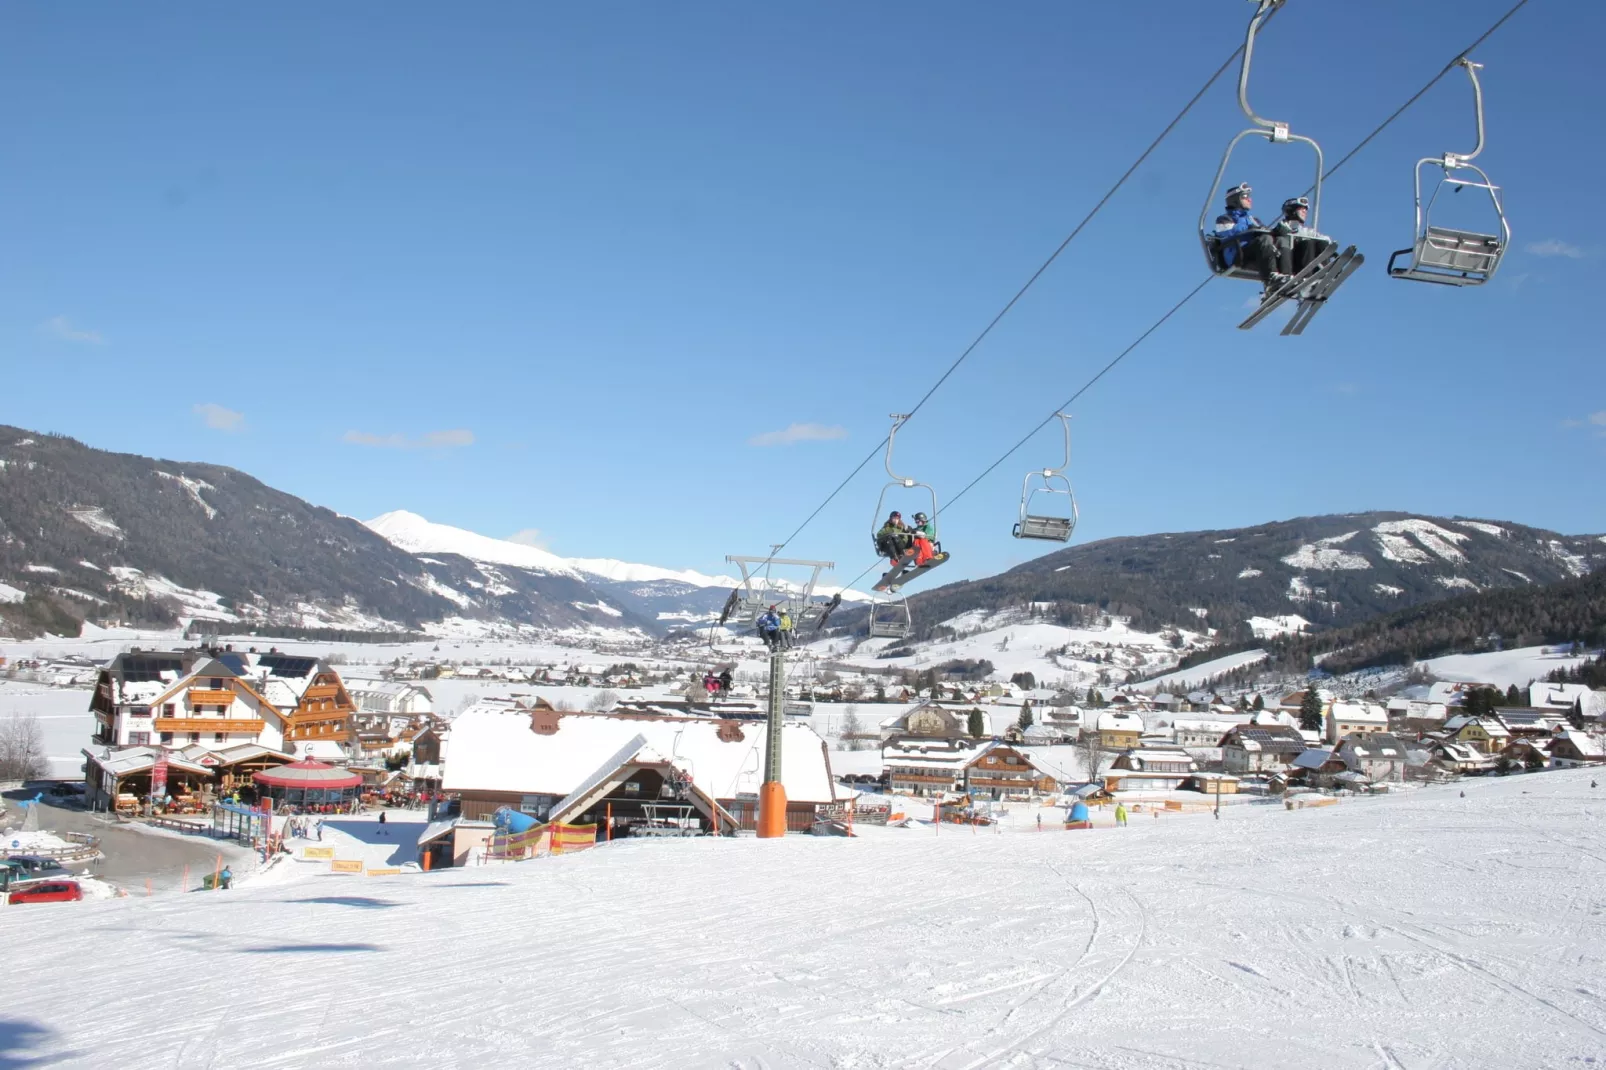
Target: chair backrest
1458,250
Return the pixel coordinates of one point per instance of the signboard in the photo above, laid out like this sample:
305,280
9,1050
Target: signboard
345,865
317,852
391,872
159,777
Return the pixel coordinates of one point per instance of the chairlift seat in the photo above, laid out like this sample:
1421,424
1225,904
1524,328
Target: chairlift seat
1452,257
1056,528
889,620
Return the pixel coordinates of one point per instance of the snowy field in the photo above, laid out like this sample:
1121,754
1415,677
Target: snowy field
1502,667
1407,932
64,721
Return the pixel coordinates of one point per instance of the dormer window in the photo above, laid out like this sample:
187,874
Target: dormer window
217,683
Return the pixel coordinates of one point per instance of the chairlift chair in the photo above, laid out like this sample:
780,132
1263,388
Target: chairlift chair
904,569
1447,255
890,620
760,589
1273,131
1042,525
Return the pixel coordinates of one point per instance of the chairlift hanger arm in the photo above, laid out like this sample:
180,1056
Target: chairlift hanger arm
1262,13
898,420
1456,159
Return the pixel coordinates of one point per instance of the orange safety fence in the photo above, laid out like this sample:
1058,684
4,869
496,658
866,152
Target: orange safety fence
556,838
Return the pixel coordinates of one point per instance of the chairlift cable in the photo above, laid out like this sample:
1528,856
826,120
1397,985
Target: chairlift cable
1030,282
1174,309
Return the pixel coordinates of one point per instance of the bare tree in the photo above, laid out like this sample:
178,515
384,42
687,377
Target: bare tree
603,701
851,728
22,747
1092,753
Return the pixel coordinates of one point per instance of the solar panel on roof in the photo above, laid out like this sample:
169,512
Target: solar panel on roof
287,664
234,661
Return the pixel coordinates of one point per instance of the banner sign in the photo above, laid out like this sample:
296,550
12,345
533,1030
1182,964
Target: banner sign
391,872
345,865
159,777
317,852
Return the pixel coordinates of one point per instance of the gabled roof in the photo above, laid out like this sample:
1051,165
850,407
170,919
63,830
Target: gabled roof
1314,758
1374,746
1588,746
1271,739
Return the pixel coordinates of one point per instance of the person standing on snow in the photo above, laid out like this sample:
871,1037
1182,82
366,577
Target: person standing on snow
1120,814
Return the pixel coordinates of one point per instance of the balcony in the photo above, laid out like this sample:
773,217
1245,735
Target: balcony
253,725
202,696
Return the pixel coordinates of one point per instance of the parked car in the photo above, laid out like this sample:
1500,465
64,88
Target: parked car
47,892
36,867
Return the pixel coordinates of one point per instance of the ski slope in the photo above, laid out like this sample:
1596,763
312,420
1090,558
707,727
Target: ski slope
1413,931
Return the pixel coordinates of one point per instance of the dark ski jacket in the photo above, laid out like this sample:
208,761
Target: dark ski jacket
1232,227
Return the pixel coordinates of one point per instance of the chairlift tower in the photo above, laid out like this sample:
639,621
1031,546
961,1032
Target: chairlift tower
760,590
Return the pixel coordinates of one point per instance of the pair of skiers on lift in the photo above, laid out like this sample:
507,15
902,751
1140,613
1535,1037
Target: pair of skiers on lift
775,628
1276,253
896,539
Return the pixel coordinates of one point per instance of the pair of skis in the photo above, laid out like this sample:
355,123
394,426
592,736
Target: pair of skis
1311,288
903,570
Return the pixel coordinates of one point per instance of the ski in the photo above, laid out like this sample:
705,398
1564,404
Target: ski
1323,288
1274,301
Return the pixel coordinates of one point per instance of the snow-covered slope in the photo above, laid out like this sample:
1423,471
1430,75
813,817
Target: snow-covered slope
1420,930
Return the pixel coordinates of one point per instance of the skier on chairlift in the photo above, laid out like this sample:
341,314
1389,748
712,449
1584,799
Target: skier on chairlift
769,627
894,538
1245,241
1297,244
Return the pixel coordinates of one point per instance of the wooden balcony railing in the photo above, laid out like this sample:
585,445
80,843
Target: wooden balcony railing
205,696
253,725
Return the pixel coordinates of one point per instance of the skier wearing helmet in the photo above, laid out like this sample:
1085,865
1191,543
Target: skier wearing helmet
1298,245
1244,241
924,533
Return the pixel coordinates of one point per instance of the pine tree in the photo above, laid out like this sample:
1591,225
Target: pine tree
1575,716
1310,711
978,724
1260,702
1025,721
1243,702
1514,696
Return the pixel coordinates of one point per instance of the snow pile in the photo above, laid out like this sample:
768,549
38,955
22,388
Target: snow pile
10,594
35,841
1249,573
1317,937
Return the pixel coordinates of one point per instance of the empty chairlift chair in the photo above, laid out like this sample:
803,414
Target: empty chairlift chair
1037,519
1446,255
889,620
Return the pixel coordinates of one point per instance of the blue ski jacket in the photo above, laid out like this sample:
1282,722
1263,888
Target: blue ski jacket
1232,227
768,622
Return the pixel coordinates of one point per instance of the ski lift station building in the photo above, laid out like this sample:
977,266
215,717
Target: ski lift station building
535,759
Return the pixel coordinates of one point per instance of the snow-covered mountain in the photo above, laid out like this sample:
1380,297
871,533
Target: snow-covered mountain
416,535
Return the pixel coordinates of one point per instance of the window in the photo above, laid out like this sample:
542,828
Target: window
195,737
167,737
632,787
140,711
217,684
217,737
168,709
140,739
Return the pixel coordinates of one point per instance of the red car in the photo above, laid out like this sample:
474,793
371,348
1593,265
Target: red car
48,892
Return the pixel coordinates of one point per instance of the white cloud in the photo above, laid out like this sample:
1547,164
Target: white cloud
61,328
531,537
219,418
799,433
428,440
1598,418
1555,247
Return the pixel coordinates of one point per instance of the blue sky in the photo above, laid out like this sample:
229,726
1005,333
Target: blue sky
560,267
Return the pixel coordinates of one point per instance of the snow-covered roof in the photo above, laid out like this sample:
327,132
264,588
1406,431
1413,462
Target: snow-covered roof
324,750
1119,721
1377,746
494,749
1359,713
1588,746
916,752
124,761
